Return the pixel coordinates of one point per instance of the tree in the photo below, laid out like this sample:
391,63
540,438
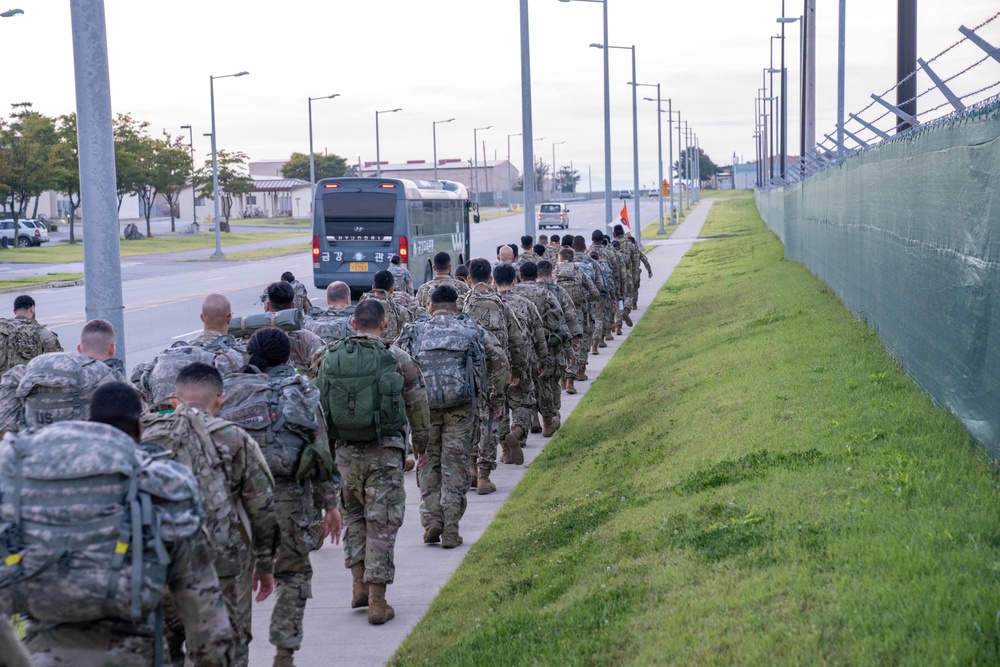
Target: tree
172,168
129,136
327,166
541,174
234,180
708,168
566,179
66,167
26,144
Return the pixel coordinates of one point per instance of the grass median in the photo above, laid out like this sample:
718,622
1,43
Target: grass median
34,281
752,480
158,245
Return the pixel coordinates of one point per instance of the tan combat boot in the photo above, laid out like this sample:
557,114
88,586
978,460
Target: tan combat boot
451,540
505,450
603,342
548,427
284,657
512,445
562,383
594,344
570,387
582,375
618,330
432,535
379,610
359,594
472,476
628,320
409,465
483,485
536,427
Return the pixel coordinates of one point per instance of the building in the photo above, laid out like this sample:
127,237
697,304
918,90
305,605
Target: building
494,186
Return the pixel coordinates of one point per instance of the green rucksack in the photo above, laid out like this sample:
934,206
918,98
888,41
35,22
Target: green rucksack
361,390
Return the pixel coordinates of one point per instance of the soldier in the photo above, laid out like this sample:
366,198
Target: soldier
486,307
539,252
573,323
71,623
516,423
552,249
631,250
236,490
369,447
216,314
305,344
396,315
645,262
609,299
600,245
401,275
301,298
442,274
335,322
22,338
505,254
625,262
462,276
284,435
584,293
459,360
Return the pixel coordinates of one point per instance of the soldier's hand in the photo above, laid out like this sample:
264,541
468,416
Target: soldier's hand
496,411
421,460
332,523
263,585
515,381
650,274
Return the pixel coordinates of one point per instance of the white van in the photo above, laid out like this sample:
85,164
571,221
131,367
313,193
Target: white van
553,215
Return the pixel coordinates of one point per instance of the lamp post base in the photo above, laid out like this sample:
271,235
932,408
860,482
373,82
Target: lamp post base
218,254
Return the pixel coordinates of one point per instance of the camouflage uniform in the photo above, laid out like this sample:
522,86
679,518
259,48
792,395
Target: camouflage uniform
608,254
573,325
605,319
206,338
410,304
250,486
46,395
372,494
631,252
649,270
332,324
395,315
557,335
503,324
626,286
305,345
523,398
583,292
444,477
401,279
424,291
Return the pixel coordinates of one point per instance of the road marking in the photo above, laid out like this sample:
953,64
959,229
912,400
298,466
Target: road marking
190,333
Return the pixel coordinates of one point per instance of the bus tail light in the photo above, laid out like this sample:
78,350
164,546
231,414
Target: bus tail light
315,252
404,250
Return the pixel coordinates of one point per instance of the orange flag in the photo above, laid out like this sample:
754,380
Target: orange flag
624,217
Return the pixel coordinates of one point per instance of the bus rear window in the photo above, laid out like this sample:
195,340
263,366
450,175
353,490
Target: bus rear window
351,206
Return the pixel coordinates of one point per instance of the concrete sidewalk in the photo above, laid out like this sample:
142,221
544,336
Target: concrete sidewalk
334,633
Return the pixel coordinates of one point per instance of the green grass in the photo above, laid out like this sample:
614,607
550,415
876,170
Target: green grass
650,231
160,244
32,281
280,223
262,253
752,480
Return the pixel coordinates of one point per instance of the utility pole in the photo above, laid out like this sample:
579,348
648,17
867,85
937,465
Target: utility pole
906,61
526,130
809,90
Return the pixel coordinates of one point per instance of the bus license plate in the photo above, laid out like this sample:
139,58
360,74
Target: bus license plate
359,266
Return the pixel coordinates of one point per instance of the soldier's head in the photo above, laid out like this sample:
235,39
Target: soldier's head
216,313
618,231
462,272
369,318
594,256
605,239
616,244
504,276
384,281
444,298
514,249
527,243
288,277
117,404
479,271
567,241
529,271
632,240
566,255
554,240
338,295
97,340
539,250
24,305
579,244
268,347
544,269
442,263
200,386
505,254
280,296
596,236
543,239
394,260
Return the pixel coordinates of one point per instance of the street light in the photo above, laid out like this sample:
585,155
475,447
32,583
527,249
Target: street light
434,125
510,189
312,158
194,197
635,138
475,157
554,144
659,146
215,165
11,12
607,115
378,153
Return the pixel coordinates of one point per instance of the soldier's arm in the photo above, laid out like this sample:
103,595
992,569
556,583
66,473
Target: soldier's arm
645,262
572,316
517,343
415,398
538,334
325,494
50,341
256,488
194,588
593,294
497,368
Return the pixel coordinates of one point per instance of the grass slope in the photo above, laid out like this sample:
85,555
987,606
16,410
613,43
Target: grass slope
34,281
751,481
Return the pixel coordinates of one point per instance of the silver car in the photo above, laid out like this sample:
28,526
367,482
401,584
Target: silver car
553,215
30,233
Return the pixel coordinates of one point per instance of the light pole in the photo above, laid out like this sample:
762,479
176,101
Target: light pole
194,197
475,157
312,158
215,165
11,12
378,153
607,114
510,189
554,144
659,147
434,129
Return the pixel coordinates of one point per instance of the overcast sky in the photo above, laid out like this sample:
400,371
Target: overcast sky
438,59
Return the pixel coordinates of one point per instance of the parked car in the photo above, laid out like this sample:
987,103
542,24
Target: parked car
626,194
30,233
553,215
653,193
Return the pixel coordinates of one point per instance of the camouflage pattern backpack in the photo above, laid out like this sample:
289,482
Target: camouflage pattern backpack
488,310
11,408
278,412
156,380
57,386
567,276
332,327
361,390
185,434
395,316
450,351
84,515
302,301
19,342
